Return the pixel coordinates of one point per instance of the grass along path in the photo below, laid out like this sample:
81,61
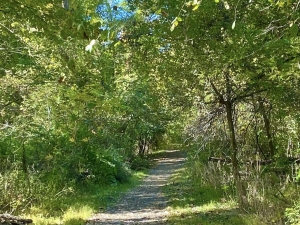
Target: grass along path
192,204
145,204
164,196
74,207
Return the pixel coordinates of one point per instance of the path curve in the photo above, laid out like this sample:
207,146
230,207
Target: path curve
146,203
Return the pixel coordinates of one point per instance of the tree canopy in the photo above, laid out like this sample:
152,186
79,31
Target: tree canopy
91,85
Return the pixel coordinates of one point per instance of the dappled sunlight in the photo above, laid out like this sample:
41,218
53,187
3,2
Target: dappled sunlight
74,215
213,213
191,202
209,207
144,216
209,218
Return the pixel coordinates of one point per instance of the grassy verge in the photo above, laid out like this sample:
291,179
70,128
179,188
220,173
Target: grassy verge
74,207
192,204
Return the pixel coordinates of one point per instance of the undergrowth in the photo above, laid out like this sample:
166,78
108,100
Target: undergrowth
74,207
192,202
57,197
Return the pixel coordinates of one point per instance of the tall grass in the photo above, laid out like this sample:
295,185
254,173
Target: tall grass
74,207
204,193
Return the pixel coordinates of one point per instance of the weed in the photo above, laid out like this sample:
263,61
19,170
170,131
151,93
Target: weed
192,202
76,207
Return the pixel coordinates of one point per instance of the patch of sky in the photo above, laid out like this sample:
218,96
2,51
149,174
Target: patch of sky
164,48
152,17
118,10
87,18
114,11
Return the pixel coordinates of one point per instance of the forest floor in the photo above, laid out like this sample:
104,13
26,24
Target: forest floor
145,204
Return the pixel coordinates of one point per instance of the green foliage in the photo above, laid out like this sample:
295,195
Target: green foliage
293,214
71,117
107,168
268,189
77,205
140,163
194,202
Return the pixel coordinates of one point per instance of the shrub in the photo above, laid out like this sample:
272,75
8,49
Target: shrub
140,163
123,172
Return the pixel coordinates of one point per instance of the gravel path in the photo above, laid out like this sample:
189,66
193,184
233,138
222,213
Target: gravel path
146,203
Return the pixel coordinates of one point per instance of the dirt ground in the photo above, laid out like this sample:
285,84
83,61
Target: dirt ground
146,203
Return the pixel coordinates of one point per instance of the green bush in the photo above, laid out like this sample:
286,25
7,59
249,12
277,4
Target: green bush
104,170
140,163
103,167
19,190
123,172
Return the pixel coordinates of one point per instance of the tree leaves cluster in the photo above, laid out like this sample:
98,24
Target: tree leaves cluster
68,116
86,85
234,64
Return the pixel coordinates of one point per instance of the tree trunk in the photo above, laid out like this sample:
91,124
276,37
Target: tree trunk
24,158
240,190
142,147
267,126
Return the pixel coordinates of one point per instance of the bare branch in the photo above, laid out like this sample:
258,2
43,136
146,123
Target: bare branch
220,96
240,97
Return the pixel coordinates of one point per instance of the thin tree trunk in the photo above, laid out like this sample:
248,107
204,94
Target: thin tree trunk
240,190
267,126
25,166
142,147
24,158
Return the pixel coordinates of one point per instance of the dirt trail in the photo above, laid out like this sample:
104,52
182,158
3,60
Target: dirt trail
146,203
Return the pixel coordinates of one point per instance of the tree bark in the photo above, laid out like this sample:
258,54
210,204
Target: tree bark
142,147
267,126
227,102
24,158
240,190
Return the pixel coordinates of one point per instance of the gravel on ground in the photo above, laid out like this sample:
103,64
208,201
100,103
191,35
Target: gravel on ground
145,204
